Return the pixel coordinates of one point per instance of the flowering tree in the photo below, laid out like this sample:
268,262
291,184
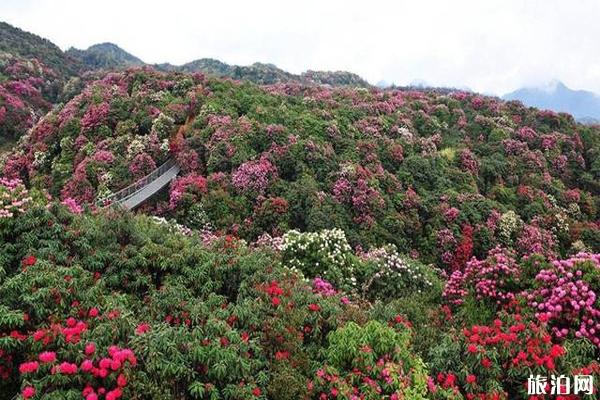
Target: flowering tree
254,176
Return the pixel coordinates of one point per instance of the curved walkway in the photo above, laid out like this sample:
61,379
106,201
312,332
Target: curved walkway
137,193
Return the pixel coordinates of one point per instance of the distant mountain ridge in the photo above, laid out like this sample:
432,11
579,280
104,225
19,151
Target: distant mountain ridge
583,105
111,56
105,56
267,74
36,75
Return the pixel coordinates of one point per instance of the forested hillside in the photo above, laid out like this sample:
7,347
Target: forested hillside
33,75
323,239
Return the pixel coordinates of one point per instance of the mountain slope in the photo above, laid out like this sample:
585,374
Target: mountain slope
27,45
558,97
319,242
105,56
33,74
332,157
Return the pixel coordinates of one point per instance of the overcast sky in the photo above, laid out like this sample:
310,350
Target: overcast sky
492,46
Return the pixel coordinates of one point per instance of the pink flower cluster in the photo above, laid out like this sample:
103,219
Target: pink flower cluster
363,198
566,298
95,116
451,214
469,162
526,134
188,160
549,141
192,183
411,198
72,205
572,195
14,197
489,279
78,186
141,165
477,102
104,156
323,287
514,147
560,163
23,88
110,368
534,239
254,176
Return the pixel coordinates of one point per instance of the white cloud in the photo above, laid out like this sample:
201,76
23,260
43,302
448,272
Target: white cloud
491,46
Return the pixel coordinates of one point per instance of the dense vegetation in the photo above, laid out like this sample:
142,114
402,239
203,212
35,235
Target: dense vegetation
442,176
113,305
319,243
33,76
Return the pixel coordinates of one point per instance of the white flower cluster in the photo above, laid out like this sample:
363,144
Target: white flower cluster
562,214
162,125
136,146
103,192
406,134
164,146
562,223
157,96
578,247
508,224
39,158
198,218
573,210
173,226
325,253
105,178
396,270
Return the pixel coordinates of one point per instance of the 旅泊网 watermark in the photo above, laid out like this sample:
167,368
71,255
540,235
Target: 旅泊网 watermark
559,385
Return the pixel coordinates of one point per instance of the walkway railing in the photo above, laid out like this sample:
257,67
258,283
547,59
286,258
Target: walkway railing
170,167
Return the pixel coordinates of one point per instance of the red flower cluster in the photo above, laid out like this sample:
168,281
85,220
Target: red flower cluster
102,368
29,367
142,328
532,346
274,291
464,251
400,320
517,348
47,357
182,317
28,261
71,332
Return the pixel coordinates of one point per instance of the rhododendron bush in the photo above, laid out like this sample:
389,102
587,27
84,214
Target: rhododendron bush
14,198
113,306
25,93
370,362
496,360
